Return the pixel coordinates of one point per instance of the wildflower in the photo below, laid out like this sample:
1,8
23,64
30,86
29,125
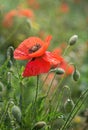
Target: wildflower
36,67
31,48
8,19
40,60
64,8
25,12
33,3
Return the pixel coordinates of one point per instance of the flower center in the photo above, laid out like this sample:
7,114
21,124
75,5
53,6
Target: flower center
34,48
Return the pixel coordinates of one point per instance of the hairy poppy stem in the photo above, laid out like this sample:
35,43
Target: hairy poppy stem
66,50
36,96
51,85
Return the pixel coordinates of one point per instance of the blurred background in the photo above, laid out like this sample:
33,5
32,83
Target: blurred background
20,19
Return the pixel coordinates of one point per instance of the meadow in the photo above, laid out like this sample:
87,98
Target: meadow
44,65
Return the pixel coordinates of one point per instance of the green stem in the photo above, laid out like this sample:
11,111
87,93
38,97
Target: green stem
50,85
75,109
45,79
36,97
4,114
57,87
66,50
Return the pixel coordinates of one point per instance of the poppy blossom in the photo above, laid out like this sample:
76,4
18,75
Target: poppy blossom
53,59
64,8
8,19
36,67
41,64
25,12
31,47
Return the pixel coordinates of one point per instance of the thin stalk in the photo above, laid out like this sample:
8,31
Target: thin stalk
22,102
57,87
50,85
68,46
36,96
4,114
70,117
45,79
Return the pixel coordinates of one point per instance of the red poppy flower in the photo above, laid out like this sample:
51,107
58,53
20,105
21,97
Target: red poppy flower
36,67
8,19
31,47
42,64
53,59
26,12
64,8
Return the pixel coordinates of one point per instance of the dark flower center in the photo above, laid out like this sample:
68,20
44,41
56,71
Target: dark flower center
34,48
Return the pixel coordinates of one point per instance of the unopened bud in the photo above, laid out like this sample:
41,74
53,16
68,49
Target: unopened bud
68,106
16,112
76,75
9,64
58,71
73,40
39,125
10,51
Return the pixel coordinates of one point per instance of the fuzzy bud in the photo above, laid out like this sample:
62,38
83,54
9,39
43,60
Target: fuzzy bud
10,51
58,71
39,125
68,106
16,112
76,75
73,40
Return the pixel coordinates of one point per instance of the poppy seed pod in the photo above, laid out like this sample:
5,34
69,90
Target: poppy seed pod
73,40
76,75
39,125
16,112
68,106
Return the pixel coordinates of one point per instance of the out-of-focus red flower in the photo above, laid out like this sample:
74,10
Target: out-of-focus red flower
26,12
64,8
68,68
8,18
31,48
33,3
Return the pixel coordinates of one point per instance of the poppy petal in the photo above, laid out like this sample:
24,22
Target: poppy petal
52,58
25,49
36,67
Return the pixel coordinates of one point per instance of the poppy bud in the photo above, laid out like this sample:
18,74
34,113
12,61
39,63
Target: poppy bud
39,125
9,64
73,40
76,75
58,71
16,112
10,51
68,106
